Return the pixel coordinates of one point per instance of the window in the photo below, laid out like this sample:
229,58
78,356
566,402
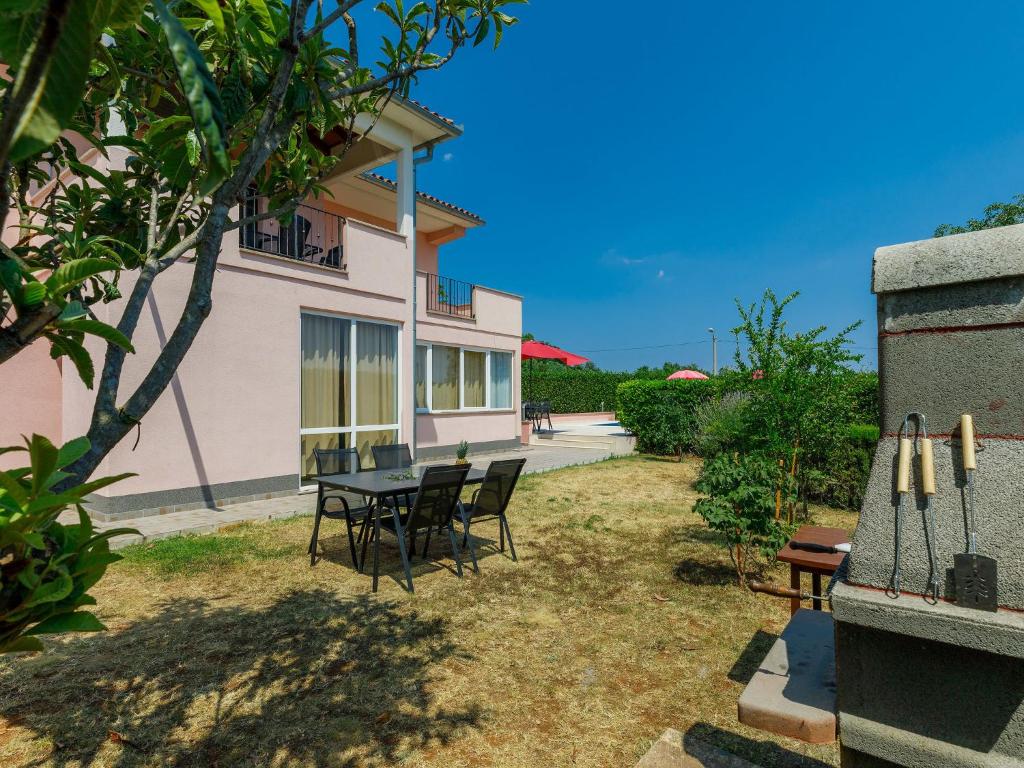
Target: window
474,383
501,379
462,379
349,386
445,378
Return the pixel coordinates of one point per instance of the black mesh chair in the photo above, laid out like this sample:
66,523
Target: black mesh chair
354,509
437,499
490,501
396,456
392,456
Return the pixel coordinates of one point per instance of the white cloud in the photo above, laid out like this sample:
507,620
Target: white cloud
661,273
447,157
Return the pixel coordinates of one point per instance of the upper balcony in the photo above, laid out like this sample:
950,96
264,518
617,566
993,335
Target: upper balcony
312,235
445,302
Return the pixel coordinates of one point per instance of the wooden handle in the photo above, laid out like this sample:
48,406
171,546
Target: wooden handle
903,468
967,441
775,589
927,468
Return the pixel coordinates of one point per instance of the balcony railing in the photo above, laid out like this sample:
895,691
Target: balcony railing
449,297
313,235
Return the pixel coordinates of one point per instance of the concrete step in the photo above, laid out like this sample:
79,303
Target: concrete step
676,750
552,442
793,692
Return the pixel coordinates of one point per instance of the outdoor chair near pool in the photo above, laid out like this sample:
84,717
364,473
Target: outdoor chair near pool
338,461
490,501
434,506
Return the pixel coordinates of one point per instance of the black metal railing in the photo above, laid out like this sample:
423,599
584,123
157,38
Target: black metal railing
449,296
311,235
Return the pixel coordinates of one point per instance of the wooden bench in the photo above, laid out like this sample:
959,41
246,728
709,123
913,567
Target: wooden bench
793,692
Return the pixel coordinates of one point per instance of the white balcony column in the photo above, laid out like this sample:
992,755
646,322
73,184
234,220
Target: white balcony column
405,215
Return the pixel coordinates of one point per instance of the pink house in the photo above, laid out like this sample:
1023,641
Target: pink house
337,329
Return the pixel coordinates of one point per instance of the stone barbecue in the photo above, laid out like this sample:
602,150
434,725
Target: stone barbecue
924,682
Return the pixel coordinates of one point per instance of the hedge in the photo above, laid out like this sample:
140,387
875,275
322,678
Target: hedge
661,413
573,390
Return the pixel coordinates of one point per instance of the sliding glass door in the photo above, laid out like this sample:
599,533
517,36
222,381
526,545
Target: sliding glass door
349,386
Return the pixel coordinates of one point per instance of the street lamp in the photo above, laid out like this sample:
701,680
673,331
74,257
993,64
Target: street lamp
714,351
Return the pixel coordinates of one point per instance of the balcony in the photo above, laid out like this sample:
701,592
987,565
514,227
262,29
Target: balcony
448,296
312,235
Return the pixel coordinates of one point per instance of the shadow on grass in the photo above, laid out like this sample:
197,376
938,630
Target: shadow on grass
766,753
705,573
753,654
311,679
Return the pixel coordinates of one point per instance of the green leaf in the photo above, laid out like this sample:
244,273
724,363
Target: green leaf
212,9
119,14
51,591
96,328
200,90
33,294
43,458
58,93
14,489
72,273
79,621
72,451
22,644
192,148
77,354
73,311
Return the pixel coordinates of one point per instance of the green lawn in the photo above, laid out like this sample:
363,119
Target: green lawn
620,619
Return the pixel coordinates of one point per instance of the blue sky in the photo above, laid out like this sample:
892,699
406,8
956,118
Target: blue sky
641,166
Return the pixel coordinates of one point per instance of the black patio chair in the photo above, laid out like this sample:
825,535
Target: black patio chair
292,240
396,456
339,461
544,412
490,501
437,499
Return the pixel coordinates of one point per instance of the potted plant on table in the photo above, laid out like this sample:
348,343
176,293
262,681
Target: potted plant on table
460,453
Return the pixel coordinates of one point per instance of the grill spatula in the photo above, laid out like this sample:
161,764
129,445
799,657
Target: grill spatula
975,576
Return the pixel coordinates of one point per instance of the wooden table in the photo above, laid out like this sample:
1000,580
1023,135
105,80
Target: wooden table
817,564
381,485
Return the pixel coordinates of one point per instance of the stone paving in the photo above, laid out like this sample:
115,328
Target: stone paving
197,521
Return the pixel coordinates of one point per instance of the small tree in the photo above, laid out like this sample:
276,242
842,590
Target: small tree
213,96
995,215
740,505
799,404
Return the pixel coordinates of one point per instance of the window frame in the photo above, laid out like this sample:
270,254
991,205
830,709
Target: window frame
353,429
488,407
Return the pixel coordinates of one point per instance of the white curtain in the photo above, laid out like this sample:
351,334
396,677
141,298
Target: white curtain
325,372
501,379
376,374
445,378
421,377
475,384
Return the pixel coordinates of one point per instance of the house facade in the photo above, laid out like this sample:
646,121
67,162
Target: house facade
336,329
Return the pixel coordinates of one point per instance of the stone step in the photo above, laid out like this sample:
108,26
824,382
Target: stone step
674,750
793,692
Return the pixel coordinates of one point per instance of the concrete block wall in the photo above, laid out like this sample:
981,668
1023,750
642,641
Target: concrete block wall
923,684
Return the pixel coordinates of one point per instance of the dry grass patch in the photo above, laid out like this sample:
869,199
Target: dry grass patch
619,620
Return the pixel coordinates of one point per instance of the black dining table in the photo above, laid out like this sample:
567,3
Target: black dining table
381,484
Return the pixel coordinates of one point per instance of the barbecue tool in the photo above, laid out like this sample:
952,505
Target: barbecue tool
902,489
828,549
975,576
767,588
928,488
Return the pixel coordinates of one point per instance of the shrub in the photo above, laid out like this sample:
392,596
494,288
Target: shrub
46,567
719,424
740,504
863,390
661,414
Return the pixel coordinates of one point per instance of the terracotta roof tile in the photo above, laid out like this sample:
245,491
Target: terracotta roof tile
425,108
390,183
